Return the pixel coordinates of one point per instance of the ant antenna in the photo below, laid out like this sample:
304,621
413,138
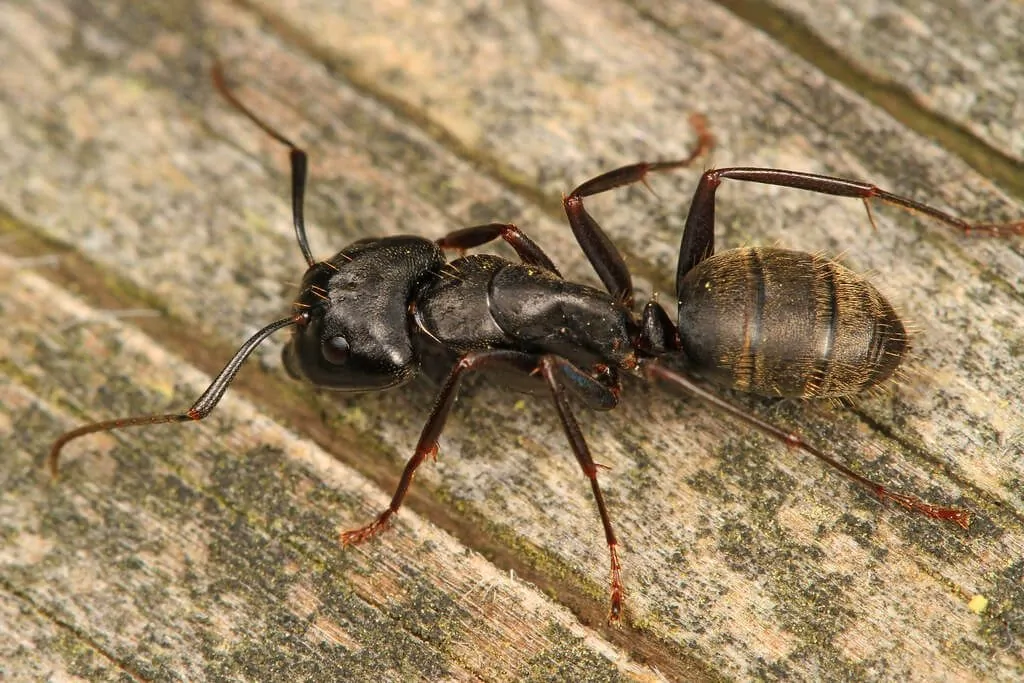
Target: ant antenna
203,406
297,156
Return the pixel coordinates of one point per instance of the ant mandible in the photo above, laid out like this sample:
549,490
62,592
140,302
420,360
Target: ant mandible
764,320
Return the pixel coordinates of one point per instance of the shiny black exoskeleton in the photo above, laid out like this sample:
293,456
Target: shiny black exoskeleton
373,306
764,320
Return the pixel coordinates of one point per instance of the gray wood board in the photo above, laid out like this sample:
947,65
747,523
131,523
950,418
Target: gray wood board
211,550
962,60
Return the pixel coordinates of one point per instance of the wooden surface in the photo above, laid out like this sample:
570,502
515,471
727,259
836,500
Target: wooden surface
146,232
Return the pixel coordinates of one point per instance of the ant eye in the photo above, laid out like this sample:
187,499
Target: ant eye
335,350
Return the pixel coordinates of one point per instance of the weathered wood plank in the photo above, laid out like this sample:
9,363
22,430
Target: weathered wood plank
962,60
36,647
436,115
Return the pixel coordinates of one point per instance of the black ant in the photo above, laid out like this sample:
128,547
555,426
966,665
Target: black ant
764,320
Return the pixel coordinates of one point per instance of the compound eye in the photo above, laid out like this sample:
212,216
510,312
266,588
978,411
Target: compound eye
335,350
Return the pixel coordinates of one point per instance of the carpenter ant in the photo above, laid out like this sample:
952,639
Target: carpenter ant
764,320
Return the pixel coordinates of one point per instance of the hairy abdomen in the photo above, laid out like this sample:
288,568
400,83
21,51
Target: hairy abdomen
785,323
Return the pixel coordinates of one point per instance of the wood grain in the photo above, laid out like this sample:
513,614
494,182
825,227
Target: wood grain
210,551
960,60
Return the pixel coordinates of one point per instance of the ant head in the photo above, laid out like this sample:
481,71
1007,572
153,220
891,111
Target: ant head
356,337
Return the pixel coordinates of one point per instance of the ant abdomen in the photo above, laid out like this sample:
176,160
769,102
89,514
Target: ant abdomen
777,322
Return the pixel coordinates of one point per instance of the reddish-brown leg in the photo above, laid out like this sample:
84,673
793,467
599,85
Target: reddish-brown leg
956,515
427,445
477,235
602,253
551,367
698,241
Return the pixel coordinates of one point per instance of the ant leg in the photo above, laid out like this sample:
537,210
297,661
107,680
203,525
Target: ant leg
553,367
598,389
699,239
599,249
203,406
468,238
956,515
427,444
297,157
